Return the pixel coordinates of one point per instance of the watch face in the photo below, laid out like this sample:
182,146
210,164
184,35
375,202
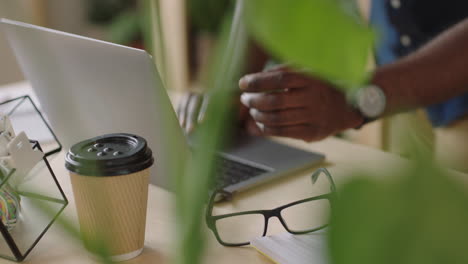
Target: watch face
371,101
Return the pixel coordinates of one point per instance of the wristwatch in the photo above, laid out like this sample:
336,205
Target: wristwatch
370,101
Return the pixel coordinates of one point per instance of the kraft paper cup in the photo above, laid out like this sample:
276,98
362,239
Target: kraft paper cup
110,177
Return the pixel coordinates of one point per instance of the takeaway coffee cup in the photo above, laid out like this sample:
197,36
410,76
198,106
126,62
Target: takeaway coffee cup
110,177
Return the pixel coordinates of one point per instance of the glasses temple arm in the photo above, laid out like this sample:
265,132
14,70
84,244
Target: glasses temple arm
317,174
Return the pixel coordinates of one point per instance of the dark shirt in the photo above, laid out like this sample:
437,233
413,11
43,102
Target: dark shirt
409,24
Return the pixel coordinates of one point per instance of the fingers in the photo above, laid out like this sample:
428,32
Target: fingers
193,109
182,109
288,117
272,81
252,128
188,111
293,98
293,123
203,107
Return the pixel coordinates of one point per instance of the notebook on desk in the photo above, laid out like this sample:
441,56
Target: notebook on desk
286,248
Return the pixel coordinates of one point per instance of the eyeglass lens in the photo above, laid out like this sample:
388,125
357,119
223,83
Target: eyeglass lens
306,216
301,217
240,228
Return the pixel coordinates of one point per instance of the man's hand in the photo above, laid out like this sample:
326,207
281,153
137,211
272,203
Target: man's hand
191,111
291,104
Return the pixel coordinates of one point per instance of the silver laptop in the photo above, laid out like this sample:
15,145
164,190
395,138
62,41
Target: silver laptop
88,87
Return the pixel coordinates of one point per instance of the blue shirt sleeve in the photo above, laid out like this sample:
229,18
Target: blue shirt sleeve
441,114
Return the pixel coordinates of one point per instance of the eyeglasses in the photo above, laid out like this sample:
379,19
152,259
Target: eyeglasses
238,229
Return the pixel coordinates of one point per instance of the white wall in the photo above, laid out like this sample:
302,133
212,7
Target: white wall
9,70
68,15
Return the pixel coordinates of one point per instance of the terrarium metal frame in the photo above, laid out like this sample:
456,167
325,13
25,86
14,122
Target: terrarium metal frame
18,255
12,244
27,98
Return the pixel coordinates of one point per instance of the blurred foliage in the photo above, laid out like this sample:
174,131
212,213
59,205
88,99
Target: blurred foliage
415,217
325,37
104,11
125,23
122,17
126,27
193,188
97,247
208,15
193,181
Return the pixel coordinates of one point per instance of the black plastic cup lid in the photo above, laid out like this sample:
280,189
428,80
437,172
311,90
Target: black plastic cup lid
109,155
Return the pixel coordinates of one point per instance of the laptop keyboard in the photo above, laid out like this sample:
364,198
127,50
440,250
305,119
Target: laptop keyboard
230,172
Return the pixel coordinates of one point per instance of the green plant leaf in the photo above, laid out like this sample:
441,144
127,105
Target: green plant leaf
416,217
325,37
208,15
125,28
193,188
97,247
153,36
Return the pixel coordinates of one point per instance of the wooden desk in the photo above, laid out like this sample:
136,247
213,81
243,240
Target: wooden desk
342,157
55,247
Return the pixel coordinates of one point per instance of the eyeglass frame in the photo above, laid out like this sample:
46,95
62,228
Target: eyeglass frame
267,214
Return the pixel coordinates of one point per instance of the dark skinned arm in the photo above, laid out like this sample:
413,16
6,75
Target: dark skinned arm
291,104
433,74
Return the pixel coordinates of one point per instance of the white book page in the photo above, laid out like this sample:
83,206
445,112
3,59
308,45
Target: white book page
286,248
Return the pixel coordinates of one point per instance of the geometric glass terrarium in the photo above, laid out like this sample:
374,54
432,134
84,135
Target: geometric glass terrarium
25,116
32,199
